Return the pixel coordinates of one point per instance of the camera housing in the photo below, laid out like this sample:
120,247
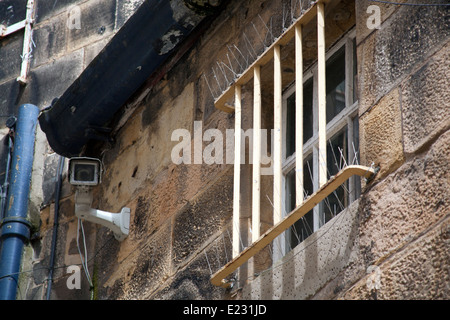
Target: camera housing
84,171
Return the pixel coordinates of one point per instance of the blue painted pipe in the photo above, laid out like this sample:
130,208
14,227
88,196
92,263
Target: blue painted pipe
15,228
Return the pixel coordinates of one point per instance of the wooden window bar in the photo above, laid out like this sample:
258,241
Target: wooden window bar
325,188
256,154
221,102
298,115
218,278
237,172
321,95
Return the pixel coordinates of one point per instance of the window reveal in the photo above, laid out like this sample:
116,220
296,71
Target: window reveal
332,124
342,144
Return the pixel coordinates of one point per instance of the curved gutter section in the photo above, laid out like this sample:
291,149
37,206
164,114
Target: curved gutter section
138,49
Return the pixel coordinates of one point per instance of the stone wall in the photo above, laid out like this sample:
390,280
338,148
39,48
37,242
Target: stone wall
62,49
405,121
392,243
180,214
317,267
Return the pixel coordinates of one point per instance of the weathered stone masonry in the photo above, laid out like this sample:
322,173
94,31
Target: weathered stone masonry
392,243
387,225
59,56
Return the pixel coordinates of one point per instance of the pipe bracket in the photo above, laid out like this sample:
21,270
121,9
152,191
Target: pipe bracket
15,225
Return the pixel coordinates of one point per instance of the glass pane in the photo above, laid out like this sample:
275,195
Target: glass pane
307,110
304,226
290,191
307,117
355,73
290,125
335,84
336,160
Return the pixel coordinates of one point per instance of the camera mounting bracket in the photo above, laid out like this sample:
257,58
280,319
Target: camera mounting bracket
118,223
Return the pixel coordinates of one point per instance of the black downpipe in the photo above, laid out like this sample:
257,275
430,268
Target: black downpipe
55,226
5,186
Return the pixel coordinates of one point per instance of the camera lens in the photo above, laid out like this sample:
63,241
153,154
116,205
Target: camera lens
84,172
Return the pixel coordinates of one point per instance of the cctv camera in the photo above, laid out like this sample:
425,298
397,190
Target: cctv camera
84,171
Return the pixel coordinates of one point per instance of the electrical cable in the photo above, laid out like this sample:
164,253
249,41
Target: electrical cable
55,226
109,241
84,261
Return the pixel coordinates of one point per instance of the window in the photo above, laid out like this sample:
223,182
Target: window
329,128
342,139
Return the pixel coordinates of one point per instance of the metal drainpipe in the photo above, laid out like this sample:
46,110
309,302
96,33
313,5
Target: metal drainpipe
15,227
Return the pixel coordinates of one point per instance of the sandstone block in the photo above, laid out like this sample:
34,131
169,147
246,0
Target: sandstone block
50,40
201,218
426,102
150,265
96,22
362,30
12,11
145,149
9,93
46,9
381,135
406,203
418,271
193,282
10,51
393,57
51,80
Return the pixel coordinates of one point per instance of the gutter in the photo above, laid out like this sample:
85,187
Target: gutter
138,50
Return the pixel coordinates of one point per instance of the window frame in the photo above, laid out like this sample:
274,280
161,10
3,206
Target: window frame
342,120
